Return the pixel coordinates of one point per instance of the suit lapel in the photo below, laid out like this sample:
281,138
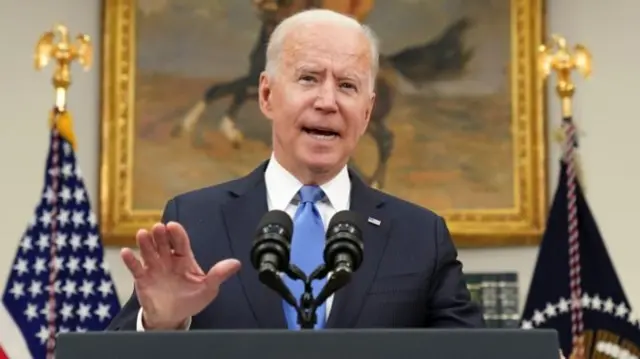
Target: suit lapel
241,215
348,301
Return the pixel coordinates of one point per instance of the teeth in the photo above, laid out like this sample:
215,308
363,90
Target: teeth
322,137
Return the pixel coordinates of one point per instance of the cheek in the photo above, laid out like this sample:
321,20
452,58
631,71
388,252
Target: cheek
286,121
356,121
286,98
292,107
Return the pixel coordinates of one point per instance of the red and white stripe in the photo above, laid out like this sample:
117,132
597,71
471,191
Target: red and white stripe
12,343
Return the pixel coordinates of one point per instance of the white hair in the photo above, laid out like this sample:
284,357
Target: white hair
312,16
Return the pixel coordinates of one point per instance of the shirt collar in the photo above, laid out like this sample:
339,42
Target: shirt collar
282,187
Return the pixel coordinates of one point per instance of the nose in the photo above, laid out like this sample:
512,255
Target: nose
326,100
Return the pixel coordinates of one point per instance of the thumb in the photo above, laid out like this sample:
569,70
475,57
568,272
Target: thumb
221,271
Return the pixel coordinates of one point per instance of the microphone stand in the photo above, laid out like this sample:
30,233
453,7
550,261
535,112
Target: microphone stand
307,317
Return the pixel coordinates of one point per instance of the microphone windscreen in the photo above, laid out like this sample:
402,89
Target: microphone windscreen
276,217
349,217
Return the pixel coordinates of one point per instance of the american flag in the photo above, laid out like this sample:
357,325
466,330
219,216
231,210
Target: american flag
61,245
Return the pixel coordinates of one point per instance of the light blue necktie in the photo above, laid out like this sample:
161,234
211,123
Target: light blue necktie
307,246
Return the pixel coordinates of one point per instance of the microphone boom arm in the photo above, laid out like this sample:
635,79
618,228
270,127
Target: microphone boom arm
307,317
273,280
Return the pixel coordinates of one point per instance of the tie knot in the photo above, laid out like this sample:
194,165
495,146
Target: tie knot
310,194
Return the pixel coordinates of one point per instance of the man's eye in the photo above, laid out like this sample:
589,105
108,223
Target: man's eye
348,86
306,78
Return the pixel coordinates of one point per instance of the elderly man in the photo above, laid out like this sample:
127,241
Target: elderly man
318,92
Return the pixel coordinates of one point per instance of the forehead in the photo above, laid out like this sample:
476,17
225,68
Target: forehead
335,47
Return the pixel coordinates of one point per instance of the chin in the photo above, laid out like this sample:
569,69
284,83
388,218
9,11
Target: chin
321,162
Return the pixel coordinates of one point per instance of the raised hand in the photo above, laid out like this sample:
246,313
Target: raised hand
170,285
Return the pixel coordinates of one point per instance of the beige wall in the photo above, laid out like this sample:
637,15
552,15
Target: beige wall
607,110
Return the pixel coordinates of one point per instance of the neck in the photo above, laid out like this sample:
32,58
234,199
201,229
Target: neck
305,174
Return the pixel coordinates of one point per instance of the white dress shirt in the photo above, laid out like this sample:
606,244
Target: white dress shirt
282,188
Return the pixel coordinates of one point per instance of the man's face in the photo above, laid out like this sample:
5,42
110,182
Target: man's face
320,100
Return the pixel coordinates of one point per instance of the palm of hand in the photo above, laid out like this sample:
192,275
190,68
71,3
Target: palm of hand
178,288
170,285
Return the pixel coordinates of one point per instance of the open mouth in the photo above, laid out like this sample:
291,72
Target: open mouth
321,133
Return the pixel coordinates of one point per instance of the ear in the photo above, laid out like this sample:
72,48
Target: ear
367,115
264,95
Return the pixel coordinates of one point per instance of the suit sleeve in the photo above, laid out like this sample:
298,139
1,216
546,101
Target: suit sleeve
127,318
450,304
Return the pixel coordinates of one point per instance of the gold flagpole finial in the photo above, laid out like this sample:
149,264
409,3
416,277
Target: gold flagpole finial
63,52
558,58
563,61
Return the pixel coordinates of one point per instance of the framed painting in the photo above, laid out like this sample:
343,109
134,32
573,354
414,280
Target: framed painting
458,124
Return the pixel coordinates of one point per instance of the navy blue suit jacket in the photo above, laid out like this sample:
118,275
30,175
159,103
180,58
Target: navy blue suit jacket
410,275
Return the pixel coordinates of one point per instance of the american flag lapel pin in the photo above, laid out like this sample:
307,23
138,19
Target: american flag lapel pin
374,221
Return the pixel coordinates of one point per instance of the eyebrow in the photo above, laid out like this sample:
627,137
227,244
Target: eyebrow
314,69
307,68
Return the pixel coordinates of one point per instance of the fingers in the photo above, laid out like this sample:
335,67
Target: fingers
132,263
156,248
148,250
156,245
161,239
222,271
179,239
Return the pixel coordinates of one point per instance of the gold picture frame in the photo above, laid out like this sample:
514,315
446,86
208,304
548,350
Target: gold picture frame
520,224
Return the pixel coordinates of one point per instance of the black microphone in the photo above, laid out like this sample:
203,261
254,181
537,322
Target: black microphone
272,242
270,251
343,251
